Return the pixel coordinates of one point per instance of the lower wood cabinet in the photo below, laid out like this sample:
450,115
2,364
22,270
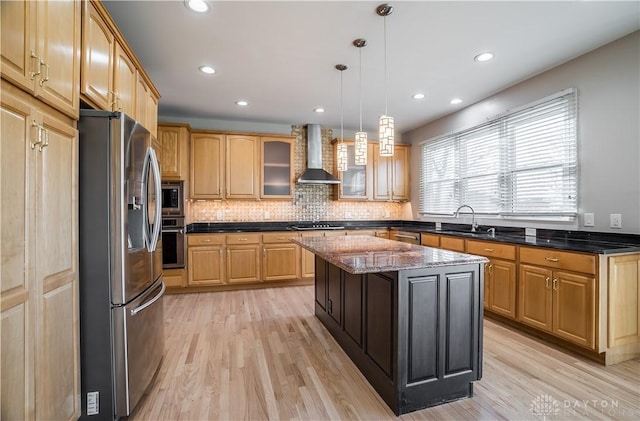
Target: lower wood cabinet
205,260
174,278
555,300
280,257
500,287
243,258
205,266
500,275
452,243
430,240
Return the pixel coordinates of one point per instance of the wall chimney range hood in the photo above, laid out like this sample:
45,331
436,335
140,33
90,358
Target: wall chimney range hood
314,174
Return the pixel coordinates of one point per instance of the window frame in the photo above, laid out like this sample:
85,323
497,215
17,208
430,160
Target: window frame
506,164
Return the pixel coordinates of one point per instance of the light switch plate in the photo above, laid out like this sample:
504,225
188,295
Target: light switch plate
615,220
589,219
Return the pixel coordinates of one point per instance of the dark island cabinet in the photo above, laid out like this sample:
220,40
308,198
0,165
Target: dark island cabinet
415,334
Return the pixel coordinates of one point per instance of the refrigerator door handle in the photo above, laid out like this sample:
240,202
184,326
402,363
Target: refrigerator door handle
158,208
150,302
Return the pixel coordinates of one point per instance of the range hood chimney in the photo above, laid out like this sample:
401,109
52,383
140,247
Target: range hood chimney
314,174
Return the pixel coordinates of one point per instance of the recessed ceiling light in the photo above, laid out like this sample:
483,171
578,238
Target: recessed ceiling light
242,103
318,110
486,56
455,101
207,69
417,96
200,6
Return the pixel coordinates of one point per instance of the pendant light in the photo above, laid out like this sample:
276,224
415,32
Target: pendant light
342,147
361,136
386,124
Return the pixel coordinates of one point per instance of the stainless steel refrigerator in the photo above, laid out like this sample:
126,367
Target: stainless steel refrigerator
121,286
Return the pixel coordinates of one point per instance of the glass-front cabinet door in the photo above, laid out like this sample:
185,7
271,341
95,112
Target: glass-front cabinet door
355,184
277,167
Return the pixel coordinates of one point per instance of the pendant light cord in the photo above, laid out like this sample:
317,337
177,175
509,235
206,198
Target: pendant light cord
360,76
385,66
341,111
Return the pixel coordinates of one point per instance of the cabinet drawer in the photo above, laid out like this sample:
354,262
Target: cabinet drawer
452,243
578,262
248,238
430,240
491,249
278,237
205,239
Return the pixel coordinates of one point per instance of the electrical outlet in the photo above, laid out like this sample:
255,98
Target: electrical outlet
93,403
219,215
589,219
267,215
387,214
347,215
615,220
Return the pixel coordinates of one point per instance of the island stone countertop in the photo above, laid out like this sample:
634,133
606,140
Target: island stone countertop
359,254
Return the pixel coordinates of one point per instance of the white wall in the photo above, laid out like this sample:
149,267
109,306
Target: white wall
608,83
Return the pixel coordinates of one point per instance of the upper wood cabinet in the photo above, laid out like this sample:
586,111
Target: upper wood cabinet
356,183
146,105
224,166
175,150
391,174
41,55
98,49
206,166
39,289
277,167
242,163
112,77
124,82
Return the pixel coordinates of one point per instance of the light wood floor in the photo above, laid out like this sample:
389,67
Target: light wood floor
261,354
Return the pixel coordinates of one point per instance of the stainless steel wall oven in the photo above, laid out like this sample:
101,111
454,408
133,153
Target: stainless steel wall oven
174,241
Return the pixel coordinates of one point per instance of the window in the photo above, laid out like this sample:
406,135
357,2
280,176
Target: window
523,164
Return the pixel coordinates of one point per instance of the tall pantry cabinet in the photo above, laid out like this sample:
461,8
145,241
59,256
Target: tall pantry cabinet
39,347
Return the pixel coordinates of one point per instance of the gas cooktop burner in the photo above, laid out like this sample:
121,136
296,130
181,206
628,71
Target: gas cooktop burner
310,227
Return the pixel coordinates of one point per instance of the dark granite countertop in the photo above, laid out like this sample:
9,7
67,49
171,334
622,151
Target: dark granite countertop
580,241
365,254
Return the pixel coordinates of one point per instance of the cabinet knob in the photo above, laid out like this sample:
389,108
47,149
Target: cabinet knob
489,250
551,259
206,240
546,282
555,284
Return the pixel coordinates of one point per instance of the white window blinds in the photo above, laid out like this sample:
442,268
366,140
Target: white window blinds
520,164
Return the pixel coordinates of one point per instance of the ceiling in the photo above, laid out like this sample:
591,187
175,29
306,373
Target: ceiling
280,56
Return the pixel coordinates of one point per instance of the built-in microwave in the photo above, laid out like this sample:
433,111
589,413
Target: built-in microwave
173,198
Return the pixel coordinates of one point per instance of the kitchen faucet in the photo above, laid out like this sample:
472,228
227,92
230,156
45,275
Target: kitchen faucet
474,224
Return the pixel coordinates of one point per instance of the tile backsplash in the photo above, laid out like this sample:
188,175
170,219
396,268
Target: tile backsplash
311,202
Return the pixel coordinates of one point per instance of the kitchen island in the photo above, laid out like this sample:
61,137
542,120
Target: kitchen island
408,316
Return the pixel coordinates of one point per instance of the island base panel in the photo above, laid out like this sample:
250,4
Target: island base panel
415,334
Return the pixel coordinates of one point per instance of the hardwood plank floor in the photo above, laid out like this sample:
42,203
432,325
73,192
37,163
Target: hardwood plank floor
262,354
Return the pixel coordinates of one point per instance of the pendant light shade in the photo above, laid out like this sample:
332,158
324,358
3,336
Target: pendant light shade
386,123
361,136
361,148
342,147
386,135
